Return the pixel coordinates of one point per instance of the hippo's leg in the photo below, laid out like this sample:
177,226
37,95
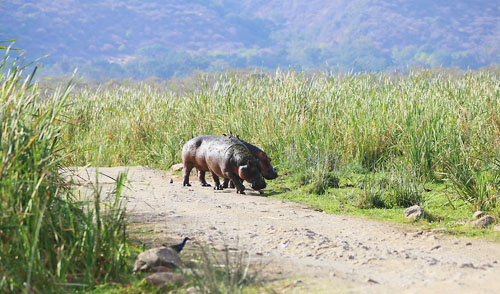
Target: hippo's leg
225,184
218,186
185,172
201,177
228,183
231,185
236,181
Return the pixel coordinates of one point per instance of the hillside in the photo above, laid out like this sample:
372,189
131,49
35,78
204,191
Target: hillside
151,38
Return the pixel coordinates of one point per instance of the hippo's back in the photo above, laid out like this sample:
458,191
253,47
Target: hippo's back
200,147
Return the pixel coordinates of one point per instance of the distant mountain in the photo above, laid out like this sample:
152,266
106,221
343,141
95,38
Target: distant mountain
134,38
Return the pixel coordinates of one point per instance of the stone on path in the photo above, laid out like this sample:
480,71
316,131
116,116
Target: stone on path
155,257
484,221
414,212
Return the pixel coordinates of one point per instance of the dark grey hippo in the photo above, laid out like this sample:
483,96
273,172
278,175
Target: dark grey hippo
223,157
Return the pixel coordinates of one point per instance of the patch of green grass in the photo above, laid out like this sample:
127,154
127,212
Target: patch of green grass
442,207
136,286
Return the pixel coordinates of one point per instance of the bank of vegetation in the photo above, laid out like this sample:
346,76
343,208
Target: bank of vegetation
397,140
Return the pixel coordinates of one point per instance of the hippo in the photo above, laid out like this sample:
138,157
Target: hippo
223,157
266,168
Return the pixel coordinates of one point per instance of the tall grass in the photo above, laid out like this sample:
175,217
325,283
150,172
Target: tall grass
224,272
49,242
370,121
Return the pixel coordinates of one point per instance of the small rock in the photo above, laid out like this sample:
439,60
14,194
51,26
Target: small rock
161,256
177,167
414,212
372,281
478,214
171,181
432,261
418,233
467,265
484,221
468,244
436,247
161,278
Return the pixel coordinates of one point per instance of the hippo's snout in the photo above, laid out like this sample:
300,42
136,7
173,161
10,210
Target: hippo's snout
271,175
259,185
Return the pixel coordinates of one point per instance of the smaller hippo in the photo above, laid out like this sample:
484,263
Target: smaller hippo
266,168
223,158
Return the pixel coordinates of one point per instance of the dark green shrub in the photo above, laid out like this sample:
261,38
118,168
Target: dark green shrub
372,194
404,191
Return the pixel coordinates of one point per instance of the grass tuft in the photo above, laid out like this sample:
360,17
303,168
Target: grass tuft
372,194
224,272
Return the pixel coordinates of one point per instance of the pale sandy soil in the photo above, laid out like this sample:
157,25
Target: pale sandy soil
327,253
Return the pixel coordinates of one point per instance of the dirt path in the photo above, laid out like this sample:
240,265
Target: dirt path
328,253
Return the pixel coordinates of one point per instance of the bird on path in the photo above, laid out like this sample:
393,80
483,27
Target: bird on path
178,248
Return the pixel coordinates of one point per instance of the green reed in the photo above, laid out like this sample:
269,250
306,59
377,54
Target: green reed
49,242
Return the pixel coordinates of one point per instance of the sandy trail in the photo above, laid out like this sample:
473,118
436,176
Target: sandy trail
329,253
